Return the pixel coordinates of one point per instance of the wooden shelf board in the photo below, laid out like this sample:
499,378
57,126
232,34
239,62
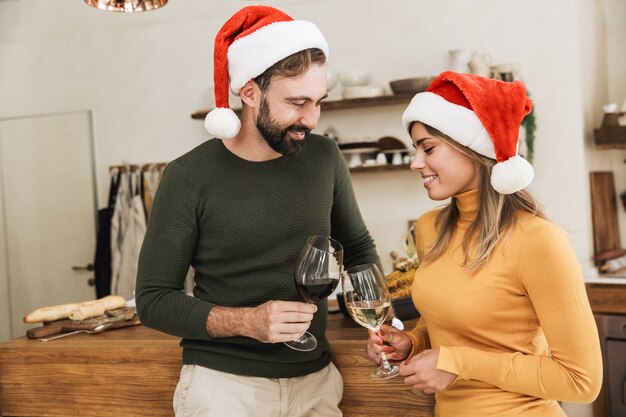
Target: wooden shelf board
379,168
608,255
610,137
332,105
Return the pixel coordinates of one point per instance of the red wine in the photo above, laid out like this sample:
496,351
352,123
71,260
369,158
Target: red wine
317,290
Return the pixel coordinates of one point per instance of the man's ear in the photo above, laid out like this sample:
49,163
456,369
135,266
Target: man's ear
250,94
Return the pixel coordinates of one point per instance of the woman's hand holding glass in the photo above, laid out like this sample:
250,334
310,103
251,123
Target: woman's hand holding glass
394,343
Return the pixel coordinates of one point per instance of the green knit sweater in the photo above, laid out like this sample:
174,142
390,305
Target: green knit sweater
241,225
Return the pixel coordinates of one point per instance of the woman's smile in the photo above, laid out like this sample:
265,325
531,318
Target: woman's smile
428,180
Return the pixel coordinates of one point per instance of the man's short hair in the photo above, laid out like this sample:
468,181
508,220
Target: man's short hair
293,66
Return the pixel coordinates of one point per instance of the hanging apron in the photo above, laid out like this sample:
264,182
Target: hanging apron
128,228
131,245
102,258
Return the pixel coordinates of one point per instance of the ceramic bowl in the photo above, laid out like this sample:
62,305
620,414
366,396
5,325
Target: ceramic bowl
354,78
410,85
362,91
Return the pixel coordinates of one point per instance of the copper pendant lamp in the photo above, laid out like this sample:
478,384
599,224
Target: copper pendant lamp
126,6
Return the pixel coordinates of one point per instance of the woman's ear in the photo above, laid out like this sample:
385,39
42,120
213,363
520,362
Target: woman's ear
250,94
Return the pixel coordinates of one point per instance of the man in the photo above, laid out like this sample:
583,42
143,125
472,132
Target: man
239,210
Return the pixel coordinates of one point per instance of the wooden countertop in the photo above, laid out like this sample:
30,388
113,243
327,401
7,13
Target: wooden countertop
133,372
607,298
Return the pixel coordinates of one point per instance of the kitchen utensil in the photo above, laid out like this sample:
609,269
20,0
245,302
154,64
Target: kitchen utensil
397,158
389,145
97,329
506,71
355,160
356,156
480,65
459,59
410,85
389,142
606,237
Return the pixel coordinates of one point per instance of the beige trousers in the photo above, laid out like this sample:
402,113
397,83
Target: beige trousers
203,392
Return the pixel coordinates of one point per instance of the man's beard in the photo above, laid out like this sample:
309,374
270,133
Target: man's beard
275,135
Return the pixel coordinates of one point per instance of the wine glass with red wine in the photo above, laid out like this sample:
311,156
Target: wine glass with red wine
318,271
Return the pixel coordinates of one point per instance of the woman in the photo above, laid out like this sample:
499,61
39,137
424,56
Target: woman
506,327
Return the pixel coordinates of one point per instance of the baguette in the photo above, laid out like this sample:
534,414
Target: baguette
50,313
76,311
87,311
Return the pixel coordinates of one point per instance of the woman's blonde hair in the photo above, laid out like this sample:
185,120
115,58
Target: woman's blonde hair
496,213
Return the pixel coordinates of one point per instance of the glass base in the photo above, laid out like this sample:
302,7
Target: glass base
385,373
306,343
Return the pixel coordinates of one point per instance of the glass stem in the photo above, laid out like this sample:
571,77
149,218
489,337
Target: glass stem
384,362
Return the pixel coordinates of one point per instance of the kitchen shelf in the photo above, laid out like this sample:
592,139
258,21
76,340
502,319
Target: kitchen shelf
610,137
381,168
332,105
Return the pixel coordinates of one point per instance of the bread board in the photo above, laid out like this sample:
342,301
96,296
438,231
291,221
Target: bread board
121,317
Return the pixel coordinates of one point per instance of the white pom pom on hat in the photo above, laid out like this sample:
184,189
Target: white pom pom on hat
222,123
511,175
483,114
251,41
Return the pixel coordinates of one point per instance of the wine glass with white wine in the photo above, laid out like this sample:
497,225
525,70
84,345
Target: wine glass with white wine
317,273
366,297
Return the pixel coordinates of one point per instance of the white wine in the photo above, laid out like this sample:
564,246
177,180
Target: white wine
370,314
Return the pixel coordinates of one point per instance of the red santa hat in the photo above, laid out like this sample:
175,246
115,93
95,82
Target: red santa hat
251,41
483,114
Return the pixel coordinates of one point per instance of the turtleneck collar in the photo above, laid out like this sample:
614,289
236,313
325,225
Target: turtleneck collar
467,203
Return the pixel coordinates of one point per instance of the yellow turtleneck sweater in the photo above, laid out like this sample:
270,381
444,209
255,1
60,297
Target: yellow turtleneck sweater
519,332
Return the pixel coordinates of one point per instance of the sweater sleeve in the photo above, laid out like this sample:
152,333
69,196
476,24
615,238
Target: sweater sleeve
165,259
347,225
419,337
551,278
